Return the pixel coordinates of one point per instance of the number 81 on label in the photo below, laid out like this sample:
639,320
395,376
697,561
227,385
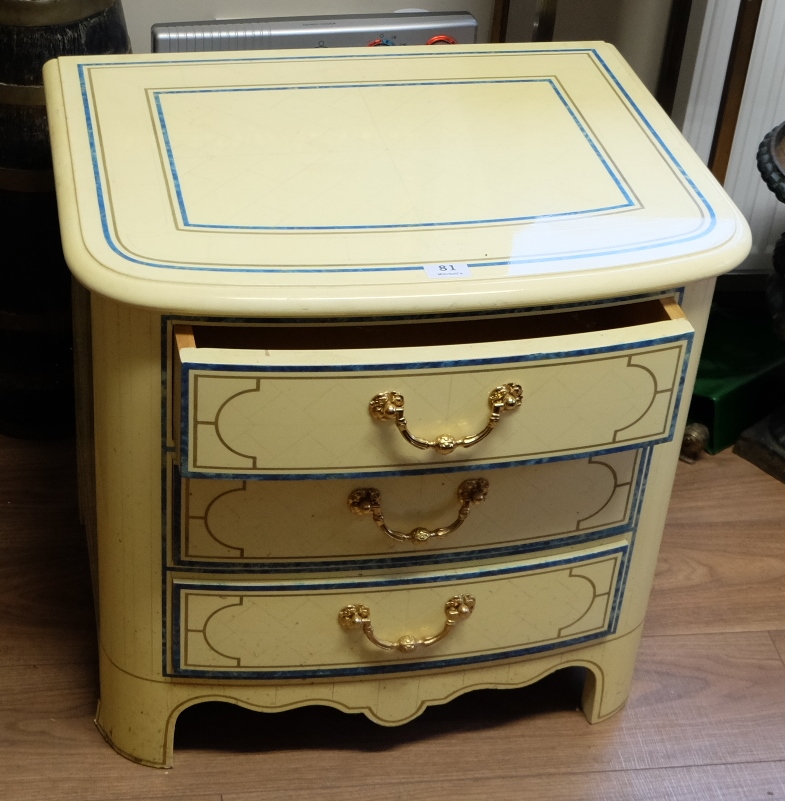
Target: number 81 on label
447,270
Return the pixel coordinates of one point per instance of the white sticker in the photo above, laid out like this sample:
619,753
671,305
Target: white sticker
448,270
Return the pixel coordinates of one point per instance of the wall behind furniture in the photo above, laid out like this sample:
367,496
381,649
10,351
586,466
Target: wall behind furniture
141,14
637,27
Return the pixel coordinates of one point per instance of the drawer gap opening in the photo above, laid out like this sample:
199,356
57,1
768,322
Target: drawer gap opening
324,336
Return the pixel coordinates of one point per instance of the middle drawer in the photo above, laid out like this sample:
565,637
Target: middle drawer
306,526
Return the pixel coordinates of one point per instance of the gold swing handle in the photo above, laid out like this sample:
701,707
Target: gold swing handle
367,501
389,406
458,608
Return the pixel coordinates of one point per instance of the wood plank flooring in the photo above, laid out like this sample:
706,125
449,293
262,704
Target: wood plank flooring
706,719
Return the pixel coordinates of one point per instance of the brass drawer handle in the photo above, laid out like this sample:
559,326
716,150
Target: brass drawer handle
389,406
366,501
458,608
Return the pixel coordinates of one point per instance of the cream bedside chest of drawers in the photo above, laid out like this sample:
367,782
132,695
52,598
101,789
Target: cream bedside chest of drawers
384,359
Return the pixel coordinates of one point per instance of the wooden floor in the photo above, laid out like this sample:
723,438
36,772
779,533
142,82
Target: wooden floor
706,719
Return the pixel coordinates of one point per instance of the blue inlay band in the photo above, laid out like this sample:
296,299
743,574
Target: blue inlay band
706,228
628,200
380,562
288,475
180,587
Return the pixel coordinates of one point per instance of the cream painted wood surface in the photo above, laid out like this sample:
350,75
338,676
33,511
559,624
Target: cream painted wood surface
281,627
304,184
138,716
283,413
235,522
227,584
132,580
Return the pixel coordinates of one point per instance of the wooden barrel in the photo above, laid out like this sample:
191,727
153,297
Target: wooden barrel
36,375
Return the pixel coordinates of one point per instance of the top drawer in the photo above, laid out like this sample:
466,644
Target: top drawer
278,402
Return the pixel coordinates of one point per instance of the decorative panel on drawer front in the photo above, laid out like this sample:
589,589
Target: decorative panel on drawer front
271,413
290,629
305,526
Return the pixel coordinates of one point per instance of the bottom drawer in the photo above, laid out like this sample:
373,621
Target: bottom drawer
291,629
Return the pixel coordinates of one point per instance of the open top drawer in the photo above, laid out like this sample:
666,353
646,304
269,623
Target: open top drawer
322,401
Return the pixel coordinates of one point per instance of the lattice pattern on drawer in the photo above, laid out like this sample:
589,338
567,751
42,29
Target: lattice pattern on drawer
290,629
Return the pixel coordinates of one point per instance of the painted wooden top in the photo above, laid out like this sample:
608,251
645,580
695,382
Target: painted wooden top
338,182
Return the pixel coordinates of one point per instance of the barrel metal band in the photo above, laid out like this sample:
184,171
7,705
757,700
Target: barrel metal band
29,13
26,180
15,94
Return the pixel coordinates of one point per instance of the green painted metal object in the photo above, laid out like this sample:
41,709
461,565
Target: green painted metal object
741,375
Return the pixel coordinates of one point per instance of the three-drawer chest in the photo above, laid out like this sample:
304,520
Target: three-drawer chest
383,359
